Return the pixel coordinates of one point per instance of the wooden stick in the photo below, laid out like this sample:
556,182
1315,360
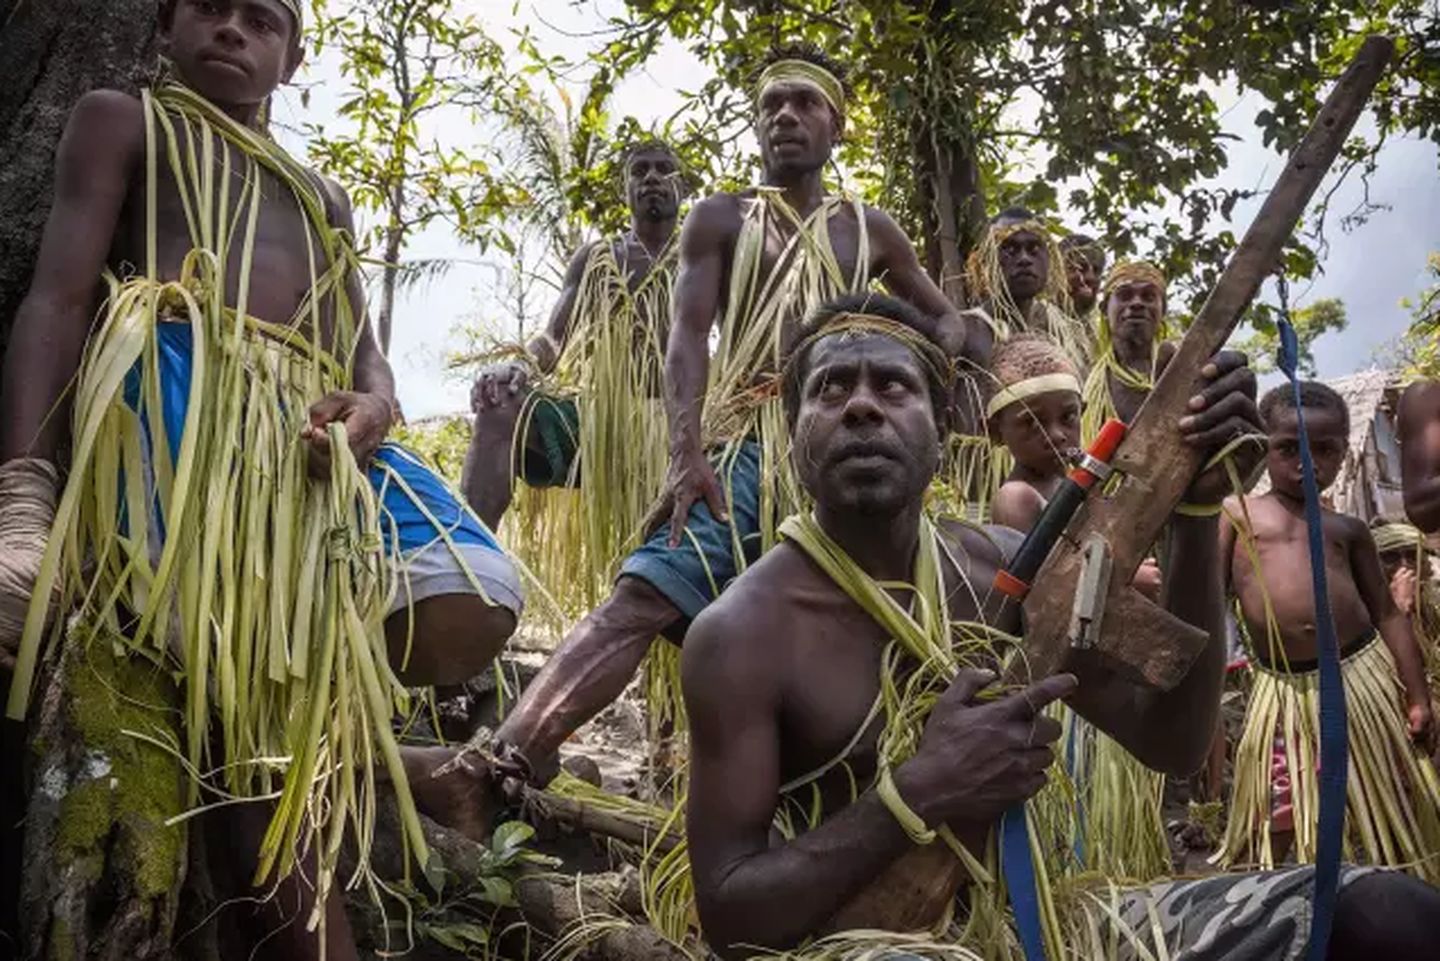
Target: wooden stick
573,813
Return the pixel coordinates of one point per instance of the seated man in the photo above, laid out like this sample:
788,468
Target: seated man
787,675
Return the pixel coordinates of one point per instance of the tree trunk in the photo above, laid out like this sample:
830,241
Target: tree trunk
394,244
51,52
103,872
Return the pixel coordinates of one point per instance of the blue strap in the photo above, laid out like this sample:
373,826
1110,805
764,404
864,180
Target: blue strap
1019,873
1072,762
1334,738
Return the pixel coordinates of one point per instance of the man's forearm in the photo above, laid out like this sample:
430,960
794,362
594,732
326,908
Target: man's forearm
687,367
779,897
373,374
1181,722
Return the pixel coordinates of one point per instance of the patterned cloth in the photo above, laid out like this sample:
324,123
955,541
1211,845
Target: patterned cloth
1229,917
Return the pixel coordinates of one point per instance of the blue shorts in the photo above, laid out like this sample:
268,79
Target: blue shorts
417,507
711,553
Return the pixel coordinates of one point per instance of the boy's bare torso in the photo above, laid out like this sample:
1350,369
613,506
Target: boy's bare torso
1281,542
280,272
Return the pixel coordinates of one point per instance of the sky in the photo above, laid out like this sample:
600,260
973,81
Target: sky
1370,267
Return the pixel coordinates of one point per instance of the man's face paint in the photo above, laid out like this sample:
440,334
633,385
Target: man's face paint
1024,263
233,52
1134,310
865,438
652,185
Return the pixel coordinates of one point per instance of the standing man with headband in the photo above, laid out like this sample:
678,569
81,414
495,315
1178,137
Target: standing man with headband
1130,342
757,261
584,402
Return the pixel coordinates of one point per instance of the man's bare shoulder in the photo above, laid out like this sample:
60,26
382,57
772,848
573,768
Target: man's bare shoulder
1419,403
338,209
730,649
1351,528
989,544
108,119
718,210
764,596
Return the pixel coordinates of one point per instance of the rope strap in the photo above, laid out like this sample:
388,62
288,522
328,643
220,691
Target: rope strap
913,823
1334,734
29,489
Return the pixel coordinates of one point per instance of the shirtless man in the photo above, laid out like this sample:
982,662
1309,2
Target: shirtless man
233,54
1132,348
667,582
1018,278
1419,429
502,391
782,671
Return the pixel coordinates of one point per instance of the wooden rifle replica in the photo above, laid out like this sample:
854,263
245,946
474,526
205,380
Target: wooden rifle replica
1085,598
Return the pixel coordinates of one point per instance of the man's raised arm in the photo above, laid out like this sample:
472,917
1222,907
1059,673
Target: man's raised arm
900,270
704,243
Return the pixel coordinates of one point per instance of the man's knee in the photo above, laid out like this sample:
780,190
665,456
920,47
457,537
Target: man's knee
637,604
453,637
1387,915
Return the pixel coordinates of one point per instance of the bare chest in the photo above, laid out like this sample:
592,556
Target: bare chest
270,266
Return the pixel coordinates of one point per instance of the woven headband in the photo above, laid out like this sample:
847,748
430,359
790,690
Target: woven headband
1025,389
854,324
1003,233
1133,272
807,74
294,6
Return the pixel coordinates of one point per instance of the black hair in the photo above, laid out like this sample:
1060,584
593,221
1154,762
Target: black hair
1014,213
797,363
1313,395
1086,246
646,145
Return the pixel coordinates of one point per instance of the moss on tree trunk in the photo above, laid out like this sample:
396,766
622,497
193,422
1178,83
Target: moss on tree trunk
103,871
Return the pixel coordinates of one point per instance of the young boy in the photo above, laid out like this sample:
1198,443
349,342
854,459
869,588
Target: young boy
1035,412
200,468
1393,810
